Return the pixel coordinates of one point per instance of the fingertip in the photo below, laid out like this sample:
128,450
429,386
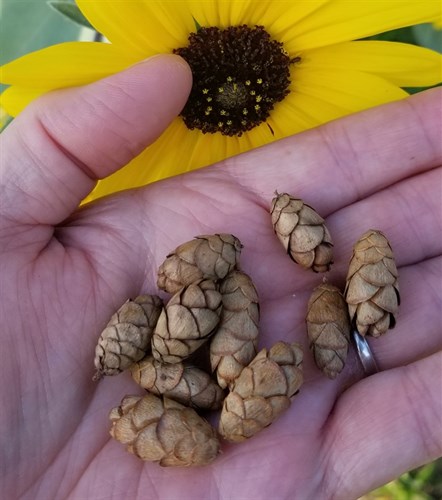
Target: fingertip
172,62
169,68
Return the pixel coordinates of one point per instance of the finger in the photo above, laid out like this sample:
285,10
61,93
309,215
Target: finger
383,426
417,333
55,151
409,213
345,160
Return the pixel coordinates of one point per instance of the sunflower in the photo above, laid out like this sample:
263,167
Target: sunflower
262,70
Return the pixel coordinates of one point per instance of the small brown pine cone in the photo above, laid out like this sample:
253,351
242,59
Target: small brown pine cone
164,431
235,342
126,338
187,321
328,328
302,232
262,391
372,290
207,256
186,384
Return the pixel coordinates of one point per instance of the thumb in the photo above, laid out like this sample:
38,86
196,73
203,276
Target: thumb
54,152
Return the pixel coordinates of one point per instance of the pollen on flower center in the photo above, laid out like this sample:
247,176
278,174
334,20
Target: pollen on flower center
232,95
239,73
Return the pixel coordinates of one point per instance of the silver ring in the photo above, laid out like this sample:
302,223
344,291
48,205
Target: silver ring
365,355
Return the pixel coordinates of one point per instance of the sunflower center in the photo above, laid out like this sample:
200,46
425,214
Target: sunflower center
239,73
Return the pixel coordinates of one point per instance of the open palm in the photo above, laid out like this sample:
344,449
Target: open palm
64,272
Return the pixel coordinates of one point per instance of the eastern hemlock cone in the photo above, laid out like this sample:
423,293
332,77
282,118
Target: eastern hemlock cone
262,391
126,338
235,342
302,232
188,319
207,256
164,431
186,384
372,290
328,328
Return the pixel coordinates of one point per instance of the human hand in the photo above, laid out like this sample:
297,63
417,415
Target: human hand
65,271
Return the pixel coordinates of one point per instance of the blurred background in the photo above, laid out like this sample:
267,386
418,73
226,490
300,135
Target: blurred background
28,25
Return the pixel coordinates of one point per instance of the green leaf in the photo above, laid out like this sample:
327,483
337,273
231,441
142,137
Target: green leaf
427,36
405,35
423,474
415,90
197,25
71,11
29,25
5,120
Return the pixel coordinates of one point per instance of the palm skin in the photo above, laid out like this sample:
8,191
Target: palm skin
339,438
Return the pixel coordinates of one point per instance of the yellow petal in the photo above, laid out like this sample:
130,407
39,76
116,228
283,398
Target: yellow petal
166,157
235,13
212,148
348,90
276,17
281,19
142,27
215,13
343,20
291,117
15,99
65,65
402,64
148,27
